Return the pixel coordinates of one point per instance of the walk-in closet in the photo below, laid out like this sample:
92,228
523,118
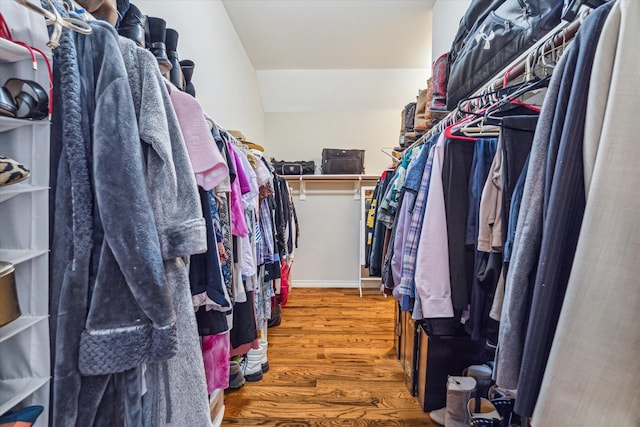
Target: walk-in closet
319,213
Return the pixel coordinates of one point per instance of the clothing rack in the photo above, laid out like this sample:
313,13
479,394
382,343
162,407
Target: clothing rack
518,70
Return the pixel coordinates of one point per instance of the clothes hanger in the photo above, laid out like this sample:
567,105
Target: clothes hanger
393,158
54,17
510,98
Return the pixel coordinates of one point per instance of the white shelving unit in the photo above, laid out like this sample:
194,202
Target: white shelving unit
24,241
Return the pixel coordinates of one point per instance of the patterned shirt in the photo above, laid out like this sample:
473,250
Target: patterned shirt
405,291
267,245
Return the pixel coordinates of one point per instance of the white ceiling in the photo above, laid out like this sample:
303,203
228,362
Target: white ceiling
334,34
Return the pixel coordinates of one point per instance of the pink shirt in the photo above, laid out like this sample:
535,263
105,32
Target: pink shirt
238,223
206,160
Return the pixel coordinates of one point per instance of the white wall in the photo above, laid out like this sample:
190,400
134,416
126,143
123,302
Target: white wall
224,78
328,253
446,17
302,136
308,110
339,90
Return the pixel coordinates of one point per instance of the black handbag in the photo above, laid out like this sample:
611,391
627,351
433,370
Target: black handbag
283,167
503,30
338,161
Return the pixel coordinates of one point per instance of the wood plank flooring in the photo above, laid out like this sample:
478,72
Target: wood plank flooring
332,363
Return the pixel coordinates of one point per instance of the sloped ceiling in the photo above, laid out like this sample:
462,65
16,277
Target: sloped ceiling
334,34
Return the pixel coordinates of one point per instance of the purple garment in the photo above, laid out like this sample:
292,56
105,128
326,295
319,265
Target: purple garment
243,175
403,221
238,224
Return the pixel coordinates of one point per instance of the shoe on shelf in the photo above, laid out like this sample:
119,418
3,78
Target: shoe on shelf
187,66
24,417
236,379
134,26
12,172
23,99
175,75
157,45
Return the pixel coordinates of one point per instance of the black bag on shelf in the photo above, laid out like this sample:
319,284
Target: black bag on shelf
337,161
503,29
283,167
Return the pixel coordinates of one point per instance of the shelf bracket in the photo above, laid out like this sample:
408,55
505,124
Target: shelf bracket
303,190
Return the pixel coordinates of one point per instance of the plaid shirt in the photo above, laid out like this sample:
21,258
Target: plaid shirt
406,291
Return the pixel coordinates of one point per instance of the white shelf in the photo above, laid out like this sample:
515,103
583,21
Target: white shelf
9,191
327,177
16,256
304,179
10,123
13,392
20,324
11,52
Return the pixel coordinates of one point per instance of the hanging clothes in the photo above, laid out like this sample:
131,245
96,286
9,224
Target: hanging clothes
484,279
170,204
563,220
403,218
527,240
405,291
379,230
126,247
456,170
593,369
432,279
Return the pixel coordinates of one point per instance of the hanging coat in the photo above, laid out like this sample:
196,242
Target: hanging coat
181,228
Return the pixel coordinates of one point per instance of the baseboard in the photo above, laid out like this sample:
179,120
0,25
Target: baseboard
334,284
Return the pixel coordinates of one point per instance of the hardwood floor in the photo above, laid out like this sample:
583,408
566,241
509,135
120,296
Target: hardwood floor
332,363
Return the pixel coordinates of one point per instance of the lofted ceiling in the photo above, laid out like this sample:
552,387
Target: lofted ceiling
334,34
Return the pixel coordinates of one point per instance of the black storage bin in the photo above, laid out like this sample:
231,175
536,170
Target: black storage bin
337,161
439,357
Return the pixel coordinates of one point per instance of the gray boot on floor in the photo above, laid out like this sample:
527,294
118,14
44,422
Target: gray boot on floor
459,391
